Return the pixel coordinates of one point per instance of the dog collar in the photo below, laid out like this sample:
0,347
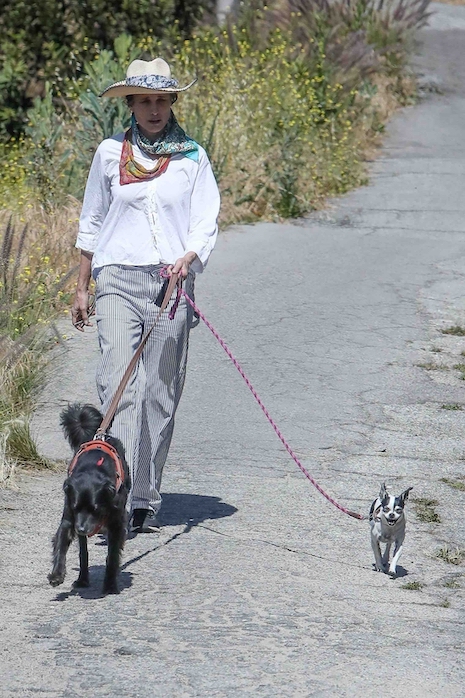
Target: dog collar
99,445
375,515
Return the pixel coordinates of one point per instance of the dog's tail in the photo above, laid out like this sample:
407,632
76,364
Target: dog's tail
80,422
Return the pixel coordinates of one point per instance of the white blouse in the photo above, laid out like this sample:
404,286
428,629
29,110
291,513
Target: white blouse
148,222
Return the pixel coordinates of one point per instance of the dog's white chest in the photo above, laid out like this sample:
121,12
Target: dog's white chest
388,535
385,533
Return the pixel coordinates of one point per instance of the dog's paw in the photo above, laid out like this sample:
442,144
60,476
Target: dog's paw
56,579
80,583
393,571
380,568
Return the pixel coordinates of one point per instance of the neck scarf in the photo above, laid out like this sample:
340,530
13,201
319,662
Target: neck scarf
171,141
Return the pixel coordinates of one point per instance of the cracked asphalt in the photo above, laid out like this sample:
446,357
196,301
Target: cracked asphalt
257,585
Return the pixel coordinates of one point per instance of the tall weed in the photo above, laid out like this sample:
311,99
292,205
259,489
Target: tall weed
34,288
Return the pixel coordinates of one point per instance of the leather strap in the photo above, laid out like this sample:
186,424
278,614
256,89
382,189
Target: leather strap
106,421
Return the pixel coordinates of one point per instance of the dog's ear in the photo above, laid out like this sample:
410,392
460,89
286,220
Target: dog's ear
383,491
70,494
404,496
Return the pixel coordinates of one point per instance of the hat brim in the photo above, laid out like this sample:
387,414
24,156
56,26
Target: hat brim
121,89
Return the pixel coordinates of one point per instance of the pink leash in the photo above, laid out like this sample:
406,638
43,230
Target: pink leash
172,312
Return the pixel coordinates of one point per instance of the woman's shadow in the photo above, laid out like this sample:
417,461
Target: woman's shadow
192,509
188,510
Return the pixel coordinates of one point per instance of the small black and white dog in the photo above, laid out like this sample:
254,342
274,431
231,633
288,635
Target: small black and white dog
96,491
387,521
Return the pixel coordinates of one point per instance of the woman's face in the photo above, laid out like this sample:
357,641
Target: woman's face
152,113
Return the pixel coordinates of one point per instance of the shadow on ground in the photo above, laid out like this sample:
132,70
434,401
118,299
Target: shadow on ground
192,509
188,510
94,591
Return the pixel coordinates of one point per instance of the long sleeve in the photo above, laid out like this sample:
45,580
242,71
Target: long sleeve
152,221
204,210
95,206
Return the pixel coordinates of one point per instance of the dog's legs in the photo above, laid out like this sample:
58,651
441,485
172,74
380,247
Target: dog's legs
61,542
83,579
116,536
386,555
377,552
395,559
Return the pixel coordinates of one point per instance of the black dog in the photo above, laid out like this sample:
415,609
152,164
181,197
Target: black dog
96,491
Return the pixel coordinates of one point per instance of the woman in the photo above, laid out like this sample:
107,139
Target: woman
151,204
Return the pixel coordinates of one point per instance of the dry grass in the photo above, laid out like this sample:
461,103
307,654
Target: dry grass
56,230
37,260
457,483
425,510
453,556
7,464
20,379
455,330
35,257
413,586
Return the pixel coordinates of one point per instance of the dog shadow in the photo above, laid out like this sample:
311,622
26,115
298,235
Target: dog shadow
94,590
179,509
400,572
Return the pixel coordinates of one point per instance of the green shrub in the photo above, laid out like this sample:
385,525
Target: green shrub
287,100
49,40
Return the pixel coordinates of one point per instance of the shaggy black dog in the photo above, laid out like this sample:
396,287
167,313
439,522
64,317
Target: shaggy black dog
96,491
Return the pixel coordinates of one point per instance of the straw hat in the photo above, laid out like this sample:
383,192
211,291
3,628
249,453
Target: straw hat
146,77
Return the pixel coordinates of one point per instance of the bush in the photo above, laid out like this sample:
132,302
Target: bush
49,40
287,101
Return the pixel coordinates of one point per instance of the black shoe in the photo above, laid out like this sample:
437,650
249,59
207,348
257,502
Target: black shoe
144,521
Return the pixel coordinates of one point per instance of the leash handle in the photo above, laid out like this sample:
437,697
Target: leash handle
106,421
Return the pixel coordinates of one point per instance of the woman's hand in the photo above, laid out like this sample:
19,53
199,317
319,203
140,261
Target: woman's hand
80,308
182,265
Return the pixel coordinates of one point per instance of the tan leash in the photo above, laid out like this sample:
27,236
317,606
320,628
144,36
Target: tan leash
106,421
98,442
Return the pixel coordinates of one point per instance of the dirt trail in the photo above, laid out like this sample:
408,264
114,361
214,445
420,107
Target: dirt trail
256,585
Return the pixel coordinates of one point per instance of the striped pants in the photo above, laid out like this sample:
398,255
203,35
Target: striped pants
144,420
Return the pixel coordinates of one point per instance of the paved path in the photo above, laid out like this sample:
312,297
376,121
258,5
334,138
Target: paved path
257,586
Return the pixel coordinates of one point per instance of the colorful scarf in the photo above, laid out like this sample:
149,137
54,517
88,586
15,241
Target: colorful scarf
172,140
